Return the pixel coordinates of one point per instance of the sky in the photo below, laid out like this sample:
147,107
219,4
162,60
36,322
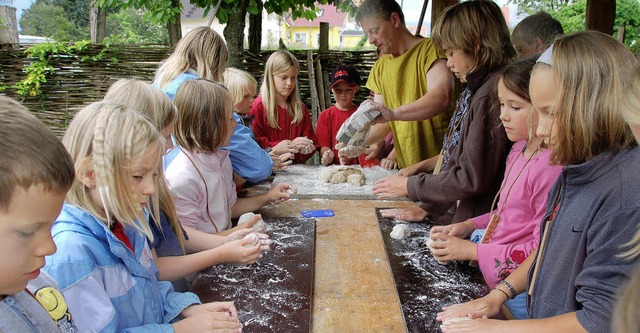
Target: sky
21,5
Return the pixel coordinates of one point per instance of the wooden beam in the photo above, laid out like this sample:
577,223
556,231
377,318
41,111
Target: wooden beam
421,20
438,7
324,37
601,15
9,33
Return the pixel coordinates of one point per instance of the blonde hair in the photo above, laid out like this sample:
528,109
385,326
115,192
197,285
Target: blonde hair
237,81
202,119
152,103
631,114
627,307
631,100
34,155
104,137
479,30
590,84
279,62
202,50
142,96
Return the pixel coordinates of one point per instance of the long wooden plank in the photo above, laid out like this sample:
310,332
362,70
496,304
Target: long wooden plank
353,285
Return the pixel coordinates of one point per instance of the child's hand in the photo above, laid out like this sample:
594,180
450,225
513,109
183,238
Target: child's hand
448,248
485,306
304,145
280,193
243,251
388,164
327,157
208,322
409,214
242,233
281,162
211,307
410,170
391,187
283,147
477,325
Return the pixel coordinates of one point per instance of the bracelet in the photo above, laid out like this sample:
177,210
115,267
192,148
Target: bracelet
502,291
510,287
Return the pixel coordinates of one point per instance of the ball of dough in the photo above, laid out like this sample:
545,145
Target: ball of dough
254,237
400,231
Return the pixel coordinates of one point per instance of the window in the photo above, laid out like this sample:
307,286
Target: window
300,38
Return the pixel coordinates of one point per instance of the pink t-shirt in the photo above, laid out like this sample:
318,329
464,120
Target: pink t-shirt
518,232
202,204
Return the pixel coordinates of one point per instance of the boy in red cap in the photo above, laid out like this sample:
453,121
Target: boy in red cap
345,83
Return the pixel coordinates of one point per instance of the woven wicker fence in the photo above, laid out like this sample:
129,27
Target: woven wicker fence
76,83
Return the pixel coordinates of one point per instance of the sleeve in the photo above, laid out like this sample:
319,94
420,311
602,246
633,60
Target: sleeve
175,302
187,190
248,159
305,128
603,270
373,81
472,168
481,222
322,130
499,260
260,125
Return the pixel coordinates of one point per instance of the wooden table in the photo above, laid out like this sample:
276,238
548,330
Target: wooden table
353,284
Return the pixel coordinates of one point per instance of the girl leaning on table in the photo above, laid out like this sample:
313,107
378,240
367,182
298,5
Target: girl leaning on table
593,208
200,177
169,242
282,123
103,263
513,227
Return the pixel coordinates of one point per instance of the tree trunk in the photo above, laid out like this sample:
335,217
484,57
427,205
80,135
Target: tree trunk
174,29
601,15
98,23
255,30
234,34
9,33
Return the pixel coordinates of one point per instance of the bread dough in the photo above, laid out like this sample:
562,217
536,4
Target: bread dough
260,226
336,174
455,320
400,231
254,237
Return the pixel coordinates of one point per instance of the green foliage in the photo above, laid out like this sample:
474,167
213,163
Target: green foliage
534,6
47,20
157,11
128,26
573,19
40,67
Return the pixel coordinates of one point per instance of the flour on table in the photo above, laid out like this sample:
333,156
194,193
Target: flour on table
400,231
337,174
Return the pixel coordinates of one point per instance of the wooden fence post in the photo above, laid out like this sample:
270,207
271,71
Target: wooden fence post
9,28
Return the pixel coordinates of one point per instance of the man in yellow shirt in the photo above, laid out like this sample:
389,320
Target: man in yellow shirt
411,80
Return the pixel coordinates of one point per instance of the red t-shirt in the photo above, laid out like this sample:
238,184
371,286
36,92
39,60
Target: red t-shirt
329,122
118,231
269,137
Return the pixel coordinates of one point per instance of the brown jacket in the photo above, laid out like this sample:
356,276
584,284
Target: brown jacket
476,166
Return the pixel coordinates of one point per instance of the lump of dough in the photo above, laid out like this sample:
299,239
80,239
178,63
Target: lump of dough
254,237
400,231
260,226
337,174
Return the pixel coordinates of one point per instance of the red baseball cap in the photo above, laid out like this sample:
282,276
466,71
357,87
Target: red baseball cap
345,73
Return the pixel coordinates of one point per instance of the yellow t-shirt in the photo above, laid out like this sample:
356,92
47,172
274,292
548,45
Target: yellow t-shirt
403,80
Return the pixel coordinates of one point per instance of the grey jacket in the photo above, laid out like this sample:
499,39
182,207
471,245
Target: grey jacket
598,210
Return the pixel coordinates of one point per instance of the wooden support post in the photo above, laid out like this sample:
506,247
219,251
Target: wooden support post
600,15
9,30
323,43
421,20
313,91
438,7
